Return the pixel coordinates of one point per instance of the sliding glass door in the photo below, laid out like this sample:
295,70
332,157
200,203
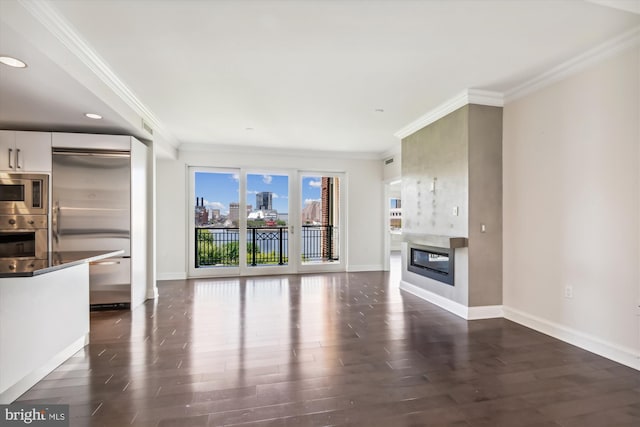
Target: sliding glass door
267,223
321,236
214,244
233,235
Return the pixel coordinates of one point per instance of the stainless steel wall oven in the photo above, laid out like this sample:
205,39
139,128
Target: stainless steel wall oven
24,194
24,233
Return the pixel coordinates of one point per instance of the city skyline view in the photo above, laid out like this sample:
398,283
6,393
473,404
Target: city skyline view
219,189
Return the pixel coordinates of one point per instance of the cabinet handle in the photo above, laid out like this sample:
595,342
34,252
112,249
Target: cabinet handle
10,158
18,162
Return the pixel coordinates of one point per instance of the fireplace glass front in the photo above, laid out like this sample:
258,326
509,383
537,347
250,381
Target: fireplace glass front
435,263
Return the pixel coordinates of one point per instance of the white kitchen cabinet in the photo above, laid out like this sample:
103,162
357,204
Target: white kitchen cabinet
25,151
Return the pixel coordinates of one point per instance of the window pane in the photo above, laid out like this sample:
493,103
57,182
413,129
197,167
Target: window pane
267,219
320,218
216,219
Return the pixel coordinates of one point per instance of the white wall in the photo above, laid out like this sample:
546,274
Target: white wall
571,208
171,219
364,200
393,171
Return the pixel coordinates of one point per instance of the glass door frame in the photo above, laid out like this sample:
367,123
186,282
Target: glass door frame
341,264
192,271
292,248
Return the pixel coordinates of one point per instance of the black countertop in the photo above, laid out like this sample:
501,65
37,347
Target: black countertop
58,261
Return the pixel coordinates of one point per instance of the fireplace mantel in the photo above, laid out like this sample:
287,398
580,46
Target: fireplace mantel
435,240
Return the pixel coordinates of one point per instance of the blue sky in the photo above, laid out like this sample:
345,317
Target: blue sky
220,189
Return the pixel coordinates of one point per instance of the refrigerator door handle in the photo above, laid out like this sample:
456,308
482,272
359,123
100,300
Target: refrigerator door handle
55,220
105,263
103,153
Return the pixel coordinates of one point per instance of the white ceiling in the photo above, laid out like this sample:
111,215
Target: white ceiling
302,74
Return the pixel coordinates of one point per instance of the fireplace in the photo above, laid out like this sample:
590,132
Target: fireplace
432,262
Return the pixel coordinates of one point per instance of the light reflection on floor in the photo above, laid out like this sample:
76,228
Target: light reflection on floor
295,320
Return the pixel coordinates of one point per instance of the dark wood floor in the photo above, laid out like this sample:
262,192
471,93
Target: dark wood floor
330,349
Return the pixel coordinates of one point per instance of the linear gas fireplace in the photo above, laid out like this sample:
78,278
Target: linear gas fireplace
432,262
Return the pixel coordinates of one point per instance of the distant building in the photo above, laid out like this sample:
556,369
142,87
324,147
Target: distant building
202,215
234,212
257,215
271,215
264,201
215,214
312,213
264,215
330,200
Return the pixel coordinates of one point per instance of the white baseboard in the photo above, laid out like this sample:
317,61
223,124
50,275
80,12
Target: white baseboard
484,312
172,276
19,388
467,313
371,267
624,355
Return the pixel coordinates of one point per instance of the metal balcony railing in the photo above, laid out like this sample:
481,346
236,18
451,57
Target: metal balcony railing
220,247
319,243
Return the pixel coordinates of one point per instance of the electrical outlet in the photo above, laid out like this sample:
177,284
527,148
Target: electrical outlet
568,292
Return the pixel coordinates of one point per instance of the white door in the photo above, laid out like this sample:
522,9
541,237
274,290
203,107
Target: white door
321,221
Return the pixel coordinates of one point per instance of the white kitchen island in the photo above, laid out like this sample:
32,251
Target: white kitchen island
44,319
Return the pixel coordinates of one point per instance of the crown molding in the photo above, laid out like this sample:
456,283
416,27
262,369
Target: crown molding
576,64
468,96
279,151
485,97
45,13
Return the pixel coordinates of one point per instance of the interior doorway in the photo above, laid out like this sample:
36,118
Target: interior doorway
393,226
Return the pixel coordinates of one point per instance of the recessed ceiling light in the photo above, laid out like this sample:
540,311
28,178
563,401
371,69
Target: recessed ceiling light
379,110
93,116
12,62
248,128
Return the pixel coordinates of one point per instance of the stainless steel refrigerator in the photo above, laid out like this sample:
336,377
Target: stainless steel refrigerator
91,211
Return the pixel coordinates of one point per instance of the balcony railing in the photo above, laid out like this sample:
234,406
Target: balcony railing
267,246
220,247
319,243
217,247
